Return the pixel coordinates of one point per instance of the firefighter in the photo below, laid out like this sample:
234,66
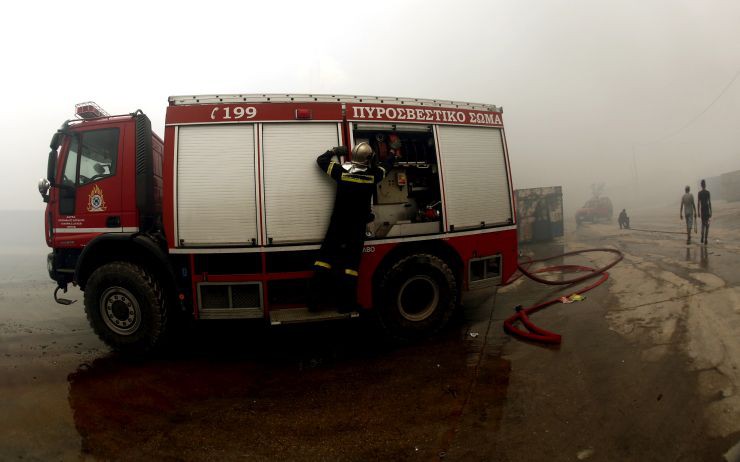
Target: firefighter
339,257
623,220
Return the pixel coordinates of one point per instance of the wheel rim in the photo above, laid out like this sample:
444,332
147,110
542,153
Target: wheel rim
418,298
120,310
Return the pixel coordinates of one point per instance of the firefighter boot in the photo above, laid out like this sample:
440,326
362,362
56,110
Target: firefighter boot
348,292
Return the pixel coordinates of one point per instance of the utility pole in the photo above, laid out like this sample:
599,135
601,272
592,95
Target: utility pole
634,165
635,191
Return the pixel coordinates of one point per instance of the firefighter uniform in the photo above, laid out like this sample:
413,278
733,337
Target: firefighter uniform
339,257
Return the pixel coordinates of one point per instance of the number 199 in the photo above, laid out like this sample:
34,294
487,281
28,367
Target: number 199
240,112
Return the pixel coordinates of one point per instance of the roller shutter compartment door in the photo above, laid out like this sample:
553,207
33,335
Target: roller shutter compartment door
475,177
216,202
298,196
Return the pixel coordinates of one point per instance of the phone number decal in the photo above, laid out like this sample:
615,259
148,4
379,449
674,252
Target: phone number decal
233,113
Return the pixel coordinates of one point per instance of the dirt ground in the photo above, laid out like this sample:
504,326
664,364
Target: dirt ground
648,370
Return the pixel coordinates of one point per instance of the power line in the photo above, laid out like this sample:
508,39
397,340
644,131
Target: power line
694,119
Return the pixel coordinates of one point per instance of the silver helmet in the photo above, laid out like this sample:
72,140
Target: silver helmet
362,154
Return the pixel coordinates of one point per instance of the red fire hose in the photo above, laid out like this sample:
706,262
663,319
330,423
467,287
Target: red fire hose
537,334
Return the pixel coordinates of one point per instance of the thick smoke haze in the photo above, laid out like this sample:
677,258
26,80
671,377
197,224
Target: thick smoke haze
631,94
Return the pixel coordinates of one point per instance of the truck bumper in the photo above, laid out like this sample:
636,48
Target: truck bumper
59,267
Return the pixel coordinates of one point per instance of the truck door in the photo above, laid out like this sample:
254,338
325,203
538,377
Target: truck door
90,187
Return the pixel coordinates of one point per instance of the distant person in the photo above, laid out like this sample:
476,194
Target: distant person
623,220
705,211
689,208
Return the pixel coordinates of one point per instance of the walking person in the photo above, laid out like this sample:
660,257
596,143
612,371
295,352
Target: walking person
705,211
688,207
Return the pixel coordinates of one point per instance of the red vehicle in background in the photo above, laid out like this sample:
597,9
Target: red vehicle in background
224,217
595,209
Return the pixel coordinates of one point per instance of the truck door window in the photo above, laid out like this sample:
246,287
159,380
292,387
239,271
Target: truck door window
98,155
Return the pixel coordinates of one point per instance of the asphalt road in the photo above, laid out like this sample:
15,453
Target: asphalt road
648,370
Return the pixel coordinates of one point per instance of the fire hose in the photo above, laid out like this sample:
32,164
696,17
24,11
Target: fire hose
659,231
538,334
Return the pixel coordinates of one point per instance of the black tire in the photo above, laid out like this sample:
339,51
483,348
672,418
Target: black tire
416,297
126,308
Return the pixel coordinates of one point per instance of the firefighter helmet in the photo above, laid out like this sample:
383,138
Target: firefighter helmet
362,154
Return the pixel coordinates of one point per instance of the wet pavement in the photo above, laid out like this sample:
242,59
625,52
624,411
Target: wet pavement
648,370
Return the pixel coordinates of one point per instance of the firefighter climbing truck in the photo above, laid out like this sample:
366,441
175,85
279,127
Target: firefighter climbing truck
224,217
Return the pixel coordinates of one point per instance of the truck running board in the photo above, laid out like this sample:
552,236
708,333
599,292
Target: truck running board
296,315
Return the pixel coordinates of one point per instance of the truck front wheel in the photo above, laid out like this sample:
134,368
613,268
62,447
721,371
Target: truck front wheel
417,296
125,307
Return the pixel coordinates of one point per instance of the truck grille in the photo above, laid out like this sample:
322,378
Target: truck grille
229,295
484,271
245,296
214,296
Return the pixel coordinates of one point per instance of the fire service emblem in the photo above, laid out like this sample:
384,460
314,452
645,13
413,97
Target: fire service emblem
96,202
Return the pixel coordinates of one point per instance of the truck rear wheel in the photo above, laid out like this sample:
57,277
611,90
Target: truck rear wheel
125,307
417,297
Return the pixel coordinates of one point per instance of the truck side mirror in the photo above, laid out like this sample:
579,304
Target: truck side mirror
44,186
55,141
51,167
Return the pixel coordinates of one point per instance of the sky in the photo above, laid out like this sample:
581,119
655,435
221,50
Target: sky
638,95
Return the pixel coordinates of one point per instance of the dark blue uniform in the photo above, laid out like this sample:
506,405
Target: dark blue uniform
705,213
342,247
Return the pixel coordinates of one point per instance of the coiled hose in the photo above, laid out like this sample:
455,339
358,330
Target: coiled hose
537,334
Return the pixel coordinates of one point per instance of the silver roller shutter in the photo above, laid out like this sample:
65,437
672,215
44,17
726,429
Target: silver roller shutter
475,176
298,195
216,202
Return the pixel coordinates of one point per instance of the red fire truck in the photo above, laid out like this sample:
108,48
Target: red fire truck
224,217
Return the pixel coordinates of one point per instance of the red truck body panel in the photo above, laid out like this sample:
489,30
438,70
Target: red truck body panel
467,245
99,202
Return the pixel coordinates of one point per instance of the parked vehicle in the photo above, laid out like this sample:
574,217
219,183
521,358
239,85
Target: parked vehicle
595,209
223,218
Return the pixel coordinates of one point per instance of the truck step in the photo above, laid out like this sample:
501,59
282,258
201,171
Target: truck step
295,315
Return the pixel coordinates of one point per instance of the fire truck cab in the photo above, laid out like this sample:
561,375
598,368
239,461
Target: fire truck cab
224,217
